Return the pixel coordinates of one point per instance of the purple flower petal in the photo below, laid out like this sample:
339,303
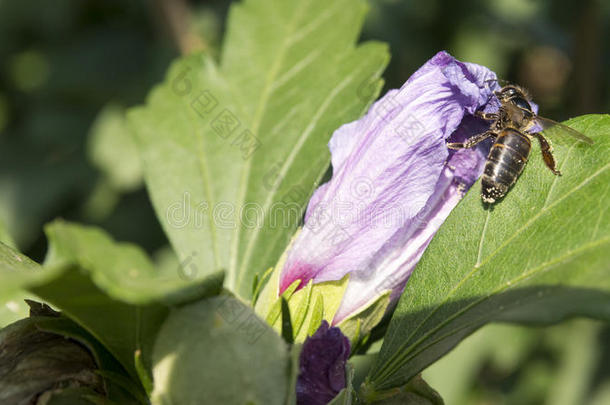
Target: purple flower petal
322,366
394,183
398,258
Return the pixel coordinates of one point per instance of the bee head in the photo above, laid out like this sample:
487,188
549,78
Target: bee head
507,93
515,95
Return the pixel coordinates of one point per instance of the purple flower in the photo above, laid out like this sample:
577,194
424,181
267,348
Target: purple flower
394,183
322,366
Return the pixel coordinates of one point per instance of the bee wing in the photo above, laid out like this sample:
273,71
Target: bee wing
548,124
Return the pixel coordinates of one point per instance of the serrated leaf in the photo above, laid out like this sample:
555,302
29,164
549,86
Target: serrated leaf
86,270
218,351
540,255
123,270
98,272
232,152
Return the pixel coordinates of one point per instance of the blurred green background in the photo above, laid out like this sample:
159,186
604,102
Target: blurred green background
70,68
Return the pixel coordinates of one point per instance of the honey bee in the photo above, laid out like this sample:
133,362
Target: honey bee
512,128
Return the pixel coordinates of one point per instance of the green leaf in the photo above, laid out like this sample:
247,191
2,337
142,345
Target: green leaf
232,152
307,307
85,271
121,327
415,392
113,151
143,372
119,278
219,352
123,270
317,315
541,255
286,326
13,307
259,283
295,354
358,326
113,290
18,271
120,165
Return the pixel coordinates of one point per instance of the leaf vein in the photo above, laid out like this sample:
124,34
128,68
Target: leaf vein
291,157
511,283
388,366
247,167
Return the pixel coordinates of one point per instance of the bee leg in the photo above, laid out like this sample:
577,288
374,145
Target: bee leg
486,116
470,142
547,153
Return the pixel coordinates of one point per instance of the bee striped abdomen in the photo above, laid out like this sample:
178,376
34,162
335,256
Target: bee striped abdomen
505,162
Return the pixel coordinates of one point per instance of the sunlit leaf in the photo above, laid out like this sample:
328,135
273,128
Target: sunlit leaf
113,289
123,270
539,256
218,351
232,152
